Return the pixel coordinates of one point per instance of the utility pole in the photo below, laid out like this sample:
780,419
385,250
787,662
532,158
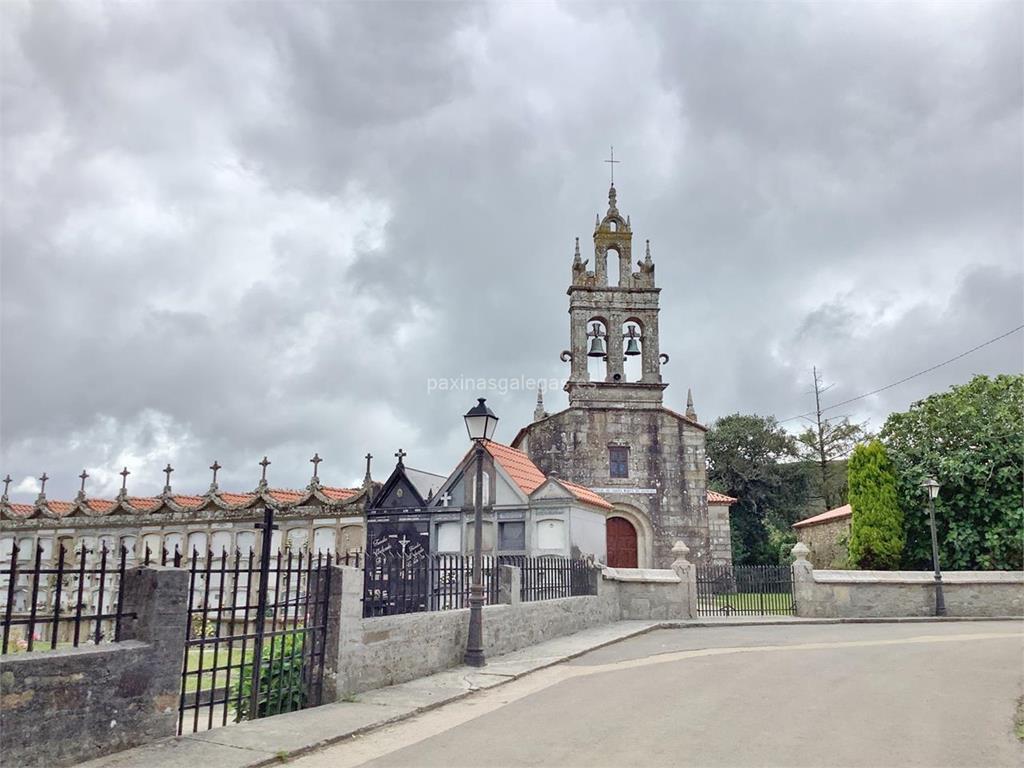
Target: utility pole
823,457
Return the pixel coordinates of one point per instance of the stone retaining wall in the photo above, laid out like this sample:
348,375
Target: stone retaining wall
886,594
65,706
387,650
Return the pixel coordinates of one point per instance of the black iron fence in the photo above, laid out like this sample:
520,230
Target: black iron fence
256,636
745,590
396,585
76,600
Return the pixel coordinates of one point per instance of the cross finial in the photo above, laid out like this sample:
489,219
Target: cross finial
216,467
369,458
82,477
611,164
124,479
315,461
42,487
263,477
167,483
401,455
7,484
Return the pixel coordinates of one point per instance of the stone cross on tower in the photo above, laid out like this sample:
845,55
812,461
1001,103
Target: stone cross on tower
611,163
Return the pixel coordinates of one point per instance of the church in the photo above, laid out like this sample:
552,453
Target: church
617,437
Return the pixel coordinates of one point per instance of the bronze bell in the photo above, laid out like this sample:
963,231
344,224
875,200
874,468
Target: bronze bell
596,347
632,346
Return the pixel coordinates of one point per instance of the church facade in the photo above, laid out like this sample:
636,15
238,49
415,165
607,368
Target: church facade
617,437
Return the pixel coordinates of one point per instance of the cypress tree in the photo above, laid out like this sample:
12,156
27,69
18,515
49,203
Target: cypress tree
876,535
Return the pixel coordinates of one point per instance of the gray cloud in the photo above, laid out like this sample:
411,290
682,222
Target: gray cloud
261,230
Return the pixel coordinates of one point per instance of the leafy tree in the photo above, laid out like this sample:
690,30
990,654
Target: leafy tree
826,443
752,458
876,531
970,439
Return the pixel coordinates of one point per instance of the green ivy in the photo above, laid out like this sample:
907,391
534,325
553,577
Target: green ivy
282,687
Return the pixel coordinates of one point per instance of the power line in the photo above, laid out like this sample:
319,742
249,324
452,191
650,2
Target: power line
908,378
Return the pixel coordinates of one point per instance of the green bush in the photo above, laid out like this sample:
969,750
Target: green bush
282,688
876,533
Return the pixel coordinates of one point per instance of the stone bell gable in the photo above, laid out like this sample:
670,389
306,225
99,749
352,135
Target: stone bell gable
616,437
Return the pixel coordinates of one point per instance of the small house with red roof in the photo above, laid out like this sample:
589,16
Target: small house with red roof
827,535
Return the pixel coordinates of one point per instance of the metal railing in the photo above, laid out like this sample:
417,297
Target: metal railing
396,585
745,590
49,604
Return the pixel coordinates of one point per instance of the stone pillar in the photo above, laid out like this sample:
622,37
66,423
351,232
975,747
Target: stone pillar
332,579
687,573
615,361
158,596
803,580
509,585
578,344
650,348
349,628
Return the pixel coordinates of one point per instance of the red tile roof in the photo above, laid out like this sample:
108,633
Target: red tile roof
833,514
714,497
525,474
339,494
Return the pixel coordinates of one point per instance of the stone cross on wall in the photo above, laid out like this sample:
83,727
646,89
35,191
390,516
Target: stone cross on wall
216,467
446,498
315,461
167,471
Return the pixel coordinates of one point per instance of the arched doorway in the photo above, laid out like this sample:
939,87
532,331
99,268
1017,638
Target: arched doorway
621,542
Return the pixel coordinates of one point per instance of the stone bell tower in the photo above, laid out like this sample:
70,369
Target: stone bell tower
613,319
617,437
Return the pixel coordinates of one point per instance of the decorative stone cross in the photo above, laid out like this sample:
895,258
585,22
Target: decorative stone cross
216,467
124,478
83,477
315,461
369,458
265,463
401,455
612,162
42,486
167,483
446,498
7,484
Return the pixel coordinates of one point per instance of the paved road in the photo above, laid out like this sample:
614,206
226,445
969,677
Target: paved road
835,695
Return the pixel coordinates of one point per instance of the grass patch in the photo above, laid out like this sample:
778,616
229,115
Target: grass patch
769,602
205,681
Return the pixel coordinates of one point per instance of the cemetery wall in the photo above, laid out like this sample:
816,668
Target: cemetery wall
65,706
887,594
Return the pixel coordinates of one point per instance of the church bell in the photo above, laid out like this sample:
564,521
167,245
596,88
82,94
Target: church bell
632,346
596,347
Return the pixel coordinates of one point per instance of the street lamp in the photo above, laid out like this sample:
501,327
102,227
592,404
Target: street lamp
932,486
480,424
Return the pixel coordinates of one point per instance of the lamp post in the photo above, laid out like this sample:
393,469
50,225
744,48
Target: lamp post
480,424
932,487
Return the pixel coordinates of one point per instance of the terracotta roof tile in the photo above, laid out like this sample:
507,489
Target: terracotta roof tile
714,497
145,503
833,514
525,474
60,508
192,502
586,495
517,465
102,506
286,496
237,499
21,510
339,494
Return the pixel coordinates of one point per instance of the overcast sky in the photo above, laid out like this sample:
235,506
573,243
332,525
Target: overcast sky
240,229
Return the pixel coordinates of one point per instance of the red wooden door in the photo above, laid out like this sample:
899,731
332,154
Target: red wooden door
621,540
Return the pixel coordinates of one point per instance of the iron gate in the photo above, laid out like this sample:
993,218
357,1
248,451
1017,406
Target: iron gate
257,628
745,590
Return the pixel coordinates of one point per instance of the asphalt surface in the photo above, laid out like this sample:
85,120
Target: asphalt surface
834,695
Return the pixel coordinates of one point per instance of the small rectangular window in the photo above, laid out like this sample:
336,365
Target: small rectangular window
512,536
618,461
